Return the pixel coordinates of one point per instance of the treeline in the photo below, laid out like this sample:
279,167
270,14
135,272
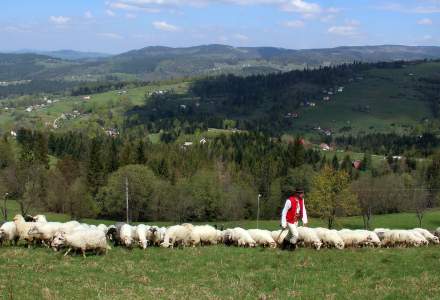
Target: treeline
87,177
391,144
36,87
89,88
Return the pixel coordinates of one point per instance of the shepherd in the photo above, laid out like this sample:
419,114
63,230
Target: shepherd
294,210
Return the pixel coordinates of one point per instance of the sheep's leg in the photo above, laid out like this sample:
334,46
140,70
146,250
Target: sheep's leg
83,252
68,251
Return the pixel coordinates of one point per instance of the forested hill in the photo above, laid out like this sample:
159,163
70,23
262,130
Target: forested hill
156,63
346,99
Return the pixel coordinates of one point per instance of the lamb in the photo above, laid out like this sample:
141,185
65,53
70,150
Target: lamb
329,238
203,235
177,235
8,232
23,228
141,235
427,235
240,237
308,237
91,239
262,237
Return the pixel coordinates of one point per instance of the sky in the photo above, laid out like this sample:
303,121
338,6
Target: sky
115,26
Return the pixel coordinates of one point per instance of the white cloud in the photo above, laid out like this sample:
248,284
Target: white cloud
59,20
110,13
350,28
164,26
111,35
432,7
88,15
240,37
298,6
15,29
294,24
425,21
130,16
301,7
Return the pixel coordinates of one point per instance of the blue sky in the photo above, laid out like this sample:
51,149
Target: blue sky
115,26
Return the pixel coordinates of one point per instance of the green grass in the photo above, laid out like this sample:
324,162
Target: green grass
216,272
221,272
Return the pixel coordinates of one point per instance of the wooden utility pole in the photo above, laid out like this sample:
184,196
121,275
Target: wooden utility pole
126,196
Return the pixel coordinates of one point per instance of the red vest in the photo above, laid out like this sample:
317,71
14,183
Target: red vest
291,216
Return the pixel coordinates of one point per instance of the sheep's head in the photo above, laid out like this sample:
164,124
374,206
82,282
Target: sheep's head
435,240
58,241
127,241
143,244
18,218
340,245
317,245
33,230
40,218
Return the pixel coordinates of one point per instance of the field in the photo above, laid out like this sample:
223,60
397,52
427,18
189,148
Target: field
227,272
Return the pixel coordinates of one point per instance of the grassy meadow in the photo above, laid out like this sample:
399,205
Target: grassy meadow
219,272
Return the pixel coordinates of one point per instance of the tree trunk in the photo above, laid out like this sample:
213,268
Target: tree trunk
5,209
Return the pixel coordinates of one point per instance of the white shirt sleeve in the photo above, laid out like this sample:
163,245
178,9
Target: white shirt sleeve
284,213
304,218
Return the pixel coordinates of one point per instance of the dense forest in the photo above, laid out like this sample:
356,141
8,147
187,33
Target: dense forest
213,181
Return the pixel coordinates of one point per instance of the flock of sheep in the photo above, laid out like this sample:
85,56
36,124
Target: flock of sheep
83,237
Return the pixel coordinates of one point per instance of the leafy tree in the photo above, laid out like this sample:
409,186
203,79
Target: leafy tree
330,195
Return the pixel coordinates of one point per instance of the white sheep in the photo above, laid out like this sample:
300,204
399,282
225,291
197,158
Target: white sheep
23,228
239,237
8,232
141,235
90,239
103,228
371,238
308,237
71,225
329,238
177,235
403,238
427,235
44,231
203,235
126,235
262,237
358,238
155,235
380,232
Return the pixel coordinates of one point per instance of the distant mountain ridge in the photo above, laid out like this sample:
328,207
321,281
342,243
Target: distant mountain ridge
159,62
65,54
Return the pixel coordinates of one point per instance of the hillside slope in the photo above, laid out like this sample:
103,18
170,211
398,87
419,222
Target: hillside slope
157,63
